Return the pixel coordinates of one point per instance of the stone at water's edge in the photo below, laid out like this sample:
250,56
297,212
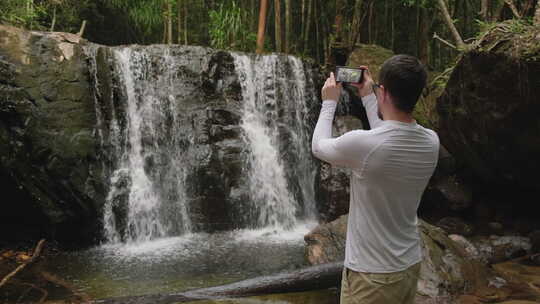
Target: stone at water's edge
447,270
48,167
489,110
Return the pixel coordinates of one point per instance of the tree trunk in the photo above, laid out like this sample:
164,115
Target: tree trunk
277,20
537,14
484,11
262,26
338,20
423,36
392,28
385,33
53,20
370,20
288,26
513,7
303,22
356,24
308,24
448,20
496,12
169,23
185,22
310,278
317,33
179,20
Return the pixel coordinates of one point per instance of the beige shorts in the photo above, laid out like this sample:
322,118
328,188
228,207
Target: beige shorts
379,288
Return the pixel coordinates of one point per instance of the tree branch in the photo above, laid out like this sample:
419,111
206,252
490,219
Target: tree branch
513,7
450,24
435,36
37,251
537,14
81,31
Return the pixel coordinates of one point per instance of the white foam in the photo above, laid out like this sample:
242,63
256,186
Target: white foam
271,234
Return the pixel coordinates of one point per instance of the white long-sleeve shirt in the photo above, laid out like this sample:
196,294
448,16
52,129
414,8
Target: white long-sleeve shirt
391,166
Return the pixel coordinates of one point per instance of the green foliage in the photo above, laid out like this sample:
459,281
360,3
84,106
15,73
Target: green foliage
145,14
22,13
227,29
39,15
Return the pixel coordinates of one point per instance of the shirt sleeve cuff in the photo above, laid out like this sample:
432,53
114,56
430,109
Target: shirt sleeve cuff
329,103
369,99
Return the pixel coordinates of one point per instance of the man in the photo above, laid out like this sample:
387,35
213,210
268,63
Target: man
391,166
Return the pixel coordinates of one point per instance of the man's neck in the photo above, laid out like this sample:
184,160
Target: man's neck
399,116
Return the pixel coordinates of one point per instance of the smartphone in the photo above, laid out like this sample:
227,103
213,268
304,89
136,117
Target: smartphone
347,74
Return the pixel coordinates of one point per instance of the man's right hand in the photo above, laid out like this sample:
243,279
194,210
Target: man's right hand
365,88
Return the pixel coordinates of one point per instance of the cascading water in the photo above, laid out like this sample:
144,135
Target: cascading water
275,122
195,140
147,182
163,165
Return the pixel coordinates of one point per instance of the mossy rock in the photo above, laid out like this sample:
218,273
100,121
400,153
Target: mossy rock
370,55
48,151
488,112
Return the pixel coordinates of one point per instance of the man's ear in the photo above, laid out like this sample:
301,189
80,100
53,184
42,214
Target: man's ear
384,94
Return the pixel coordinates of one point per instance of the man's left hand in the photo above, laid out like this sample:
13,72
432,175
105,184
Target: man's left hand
331,90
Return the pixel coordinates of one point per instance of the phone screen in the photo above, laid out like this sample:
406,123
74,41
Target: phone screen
345,74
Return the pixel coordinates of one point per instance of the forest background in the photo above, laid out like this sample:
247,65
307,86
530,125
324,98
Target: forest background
433,30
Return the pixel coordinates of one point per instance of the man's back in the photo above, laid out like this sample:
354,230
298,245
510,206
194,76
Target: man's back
386,189
391,166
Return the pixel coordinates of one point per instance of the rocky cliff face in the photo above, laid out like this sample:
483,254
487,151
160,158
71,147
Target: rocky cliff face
150,141
48,165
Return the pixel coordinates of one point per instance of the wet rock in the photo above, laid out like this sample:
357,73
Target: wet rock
496,249
495,228
447,268
456,194
446,165
455,225
522,280
469,247
535,241
48,156
326,243
333,192
493,249
483,211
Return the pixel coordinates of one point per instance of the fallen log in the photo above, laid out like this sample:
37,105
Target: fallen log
310,278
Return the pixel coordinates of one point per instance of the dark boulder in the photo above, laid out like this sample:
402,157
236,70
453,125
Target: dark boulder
48,168
490,107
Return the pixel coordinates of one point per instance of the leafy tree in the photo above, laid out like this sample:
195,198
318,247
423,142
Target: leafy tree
227,28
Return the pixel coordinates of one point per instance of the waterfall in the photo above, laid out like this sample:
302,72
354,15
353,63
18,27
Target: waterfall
147,183
275,122
193,138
